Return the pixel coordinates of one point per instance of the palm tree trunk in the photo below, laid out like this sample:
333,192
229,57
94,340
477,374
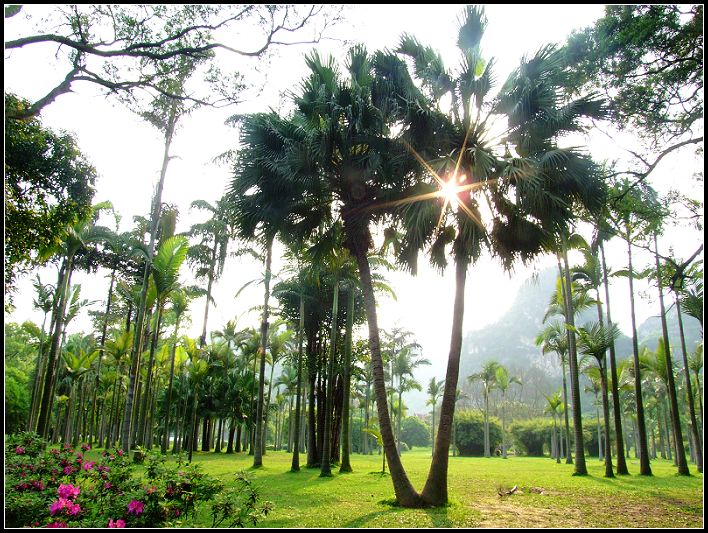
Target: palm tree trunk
432,430
486,422
147,396
312,451
503,427
202,338
100,356
48,393
568,452
126,432
259,434
38,372
405,493
580,468
641,444
325,468
435,490
671,385
295,465
346,427
606,415
168,405
619,441
697,441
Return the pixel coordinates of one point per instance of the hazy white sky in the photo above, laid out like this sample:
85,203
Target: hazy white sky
128,153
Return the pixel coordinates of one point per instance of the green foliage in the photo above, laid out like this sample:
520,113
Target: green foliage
531,435
650,60
469,433
48,186
106,490
415,432
17,399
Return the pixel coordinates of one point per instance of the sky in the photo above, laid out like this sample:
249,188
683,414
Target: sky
127,153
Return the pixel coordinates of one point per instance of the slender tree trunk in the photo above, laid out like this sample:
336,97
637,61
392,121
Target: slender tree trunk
168,405
580,468
295,465
38,372
312,455
619,441
568,452
145,412
405,493
100,356
486,422
346,428
202,338
671,386
435,490
662,445
48,392
325,467
503,427
606,415
258,444
641,443
697,441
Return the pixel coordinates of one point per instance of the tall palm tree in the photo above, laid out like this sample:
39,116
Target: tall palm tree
488,377
119,347
554,338
209,256
503,382
594,341
435,390
45,302
75,238
404,364
629,212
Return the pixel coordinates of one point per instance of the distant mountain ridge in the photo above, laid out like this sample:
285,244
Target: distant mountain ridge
510,340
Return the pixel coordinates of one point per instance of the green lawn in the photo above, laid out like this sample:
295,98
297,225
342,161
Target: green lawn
364,498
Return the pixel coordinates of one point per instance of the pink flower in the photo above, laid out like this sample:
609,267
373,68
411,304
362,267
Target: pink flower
68,491
89,465
107,485
57,506
85,447
120,453
135,507
73,509
57,524
19,450
177,512
117,523
68,471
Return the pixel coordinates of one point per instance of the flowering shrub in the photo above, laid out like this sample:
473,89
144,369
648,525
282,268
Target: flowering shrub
60,488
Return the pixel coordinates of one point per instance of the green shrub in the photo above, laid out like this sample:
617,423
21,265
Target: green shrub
532,435
415,432
59,487
469,433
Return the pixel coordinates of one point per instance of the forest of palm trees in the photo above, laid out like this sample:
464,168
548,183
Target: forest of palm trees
384,160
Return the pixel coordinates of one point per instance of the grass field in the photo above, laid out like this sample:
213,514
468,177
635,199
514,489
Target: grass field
364,498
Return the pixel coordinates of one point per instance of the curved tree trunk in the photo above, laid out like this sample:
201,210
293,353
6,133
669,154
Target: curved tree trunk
346,428
619,440
405,493
435,490
671,385
641,445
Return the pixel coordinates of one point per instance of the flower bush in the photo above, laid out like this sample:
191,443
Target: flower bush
60,488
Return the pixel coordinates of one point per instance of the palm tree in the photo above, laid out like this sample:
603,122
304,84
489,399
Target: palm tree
503,382
77,363
45,302
179,306
84,231
435,390
403,366
119,348
488,377
210,254
554,338
522,191
555,405
165,271
629,212
594,341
